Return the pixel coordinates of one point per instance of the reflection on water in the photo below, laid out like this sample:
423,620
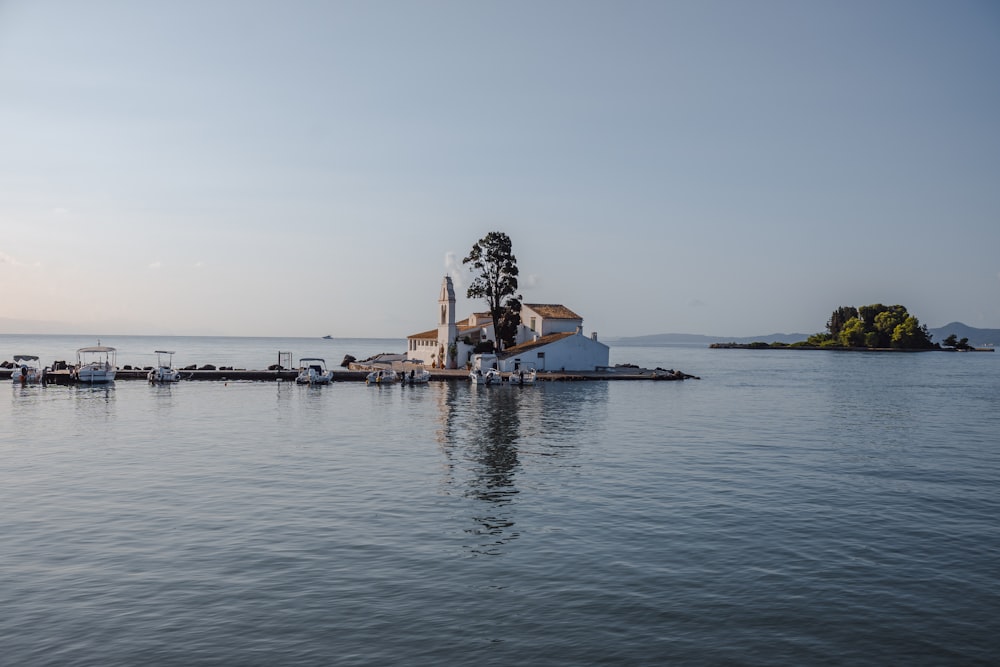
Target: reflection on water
494,444
488,435
253,523
95,402
480,428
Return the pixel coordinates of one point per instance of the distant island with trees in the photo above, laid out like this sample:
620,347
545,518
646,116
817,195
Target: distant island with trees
963,336
871,327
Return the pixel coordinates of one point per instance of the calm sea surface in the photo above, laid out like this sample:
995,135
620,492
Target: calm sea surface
790,508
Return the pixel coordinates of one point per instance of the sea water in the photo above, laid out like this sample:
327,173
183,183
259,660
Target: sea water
788,508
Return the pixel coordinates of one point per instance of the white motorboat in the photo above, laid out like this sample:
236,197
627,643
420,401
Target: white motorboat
485,369
415,374
523,376
26,370
490,376
312,370
381,376
164,372
95,365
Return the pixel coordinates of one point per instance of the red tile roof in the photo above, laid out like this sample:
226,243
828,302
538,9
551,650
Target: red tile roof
553,311
432,334
531,344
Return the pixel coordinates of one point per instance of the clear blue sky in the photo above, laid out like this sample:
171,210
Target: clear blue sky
308,168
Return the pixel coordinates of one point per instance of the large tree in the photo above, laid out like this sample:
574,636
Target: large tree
495,270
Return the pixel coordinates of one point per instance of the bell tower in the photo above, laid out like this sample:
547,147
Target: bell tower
447,329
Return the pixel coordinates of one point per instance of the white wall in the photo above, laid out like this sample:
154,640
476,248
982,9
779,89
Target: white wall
425,347
546,326
573,353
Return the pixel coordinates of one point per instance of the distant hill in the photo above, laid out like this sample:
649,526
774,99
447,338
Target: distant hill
977,337
680,339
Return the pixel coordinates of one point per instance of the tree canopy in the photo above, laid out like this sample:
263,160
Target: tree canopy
874,326
495,268
953,341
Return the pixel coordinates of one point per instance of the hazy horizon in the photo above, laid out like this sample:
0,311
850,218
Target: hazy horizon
309,168
12,327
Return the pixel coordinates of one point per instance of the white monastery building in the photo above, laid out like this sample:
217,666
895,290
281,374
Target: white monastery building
550,337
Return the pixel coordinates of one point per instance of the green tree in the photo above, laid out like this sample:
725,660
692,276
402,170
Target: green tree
953,341
867,314
839,318
875,325
495,269
853,333
819,339
910,335
886,323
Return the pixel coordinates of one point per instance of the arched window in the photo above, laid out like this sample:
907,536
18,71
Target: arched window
444,314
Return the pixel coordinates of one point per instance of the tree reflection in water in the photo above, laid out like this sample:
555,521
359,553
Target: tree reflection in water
496,468
479,434
488,434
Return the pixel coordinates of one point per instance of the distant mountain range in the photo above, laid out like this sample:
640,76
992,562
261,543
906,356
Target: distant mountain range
977,337
689,339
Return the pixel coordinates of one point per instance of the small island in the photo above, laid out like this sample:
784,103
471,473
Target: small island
875,327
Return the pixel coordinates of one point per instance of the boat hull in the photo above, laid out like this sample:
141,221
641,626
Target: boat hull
95,375
490,377
159,375
26,376
314,378
381,377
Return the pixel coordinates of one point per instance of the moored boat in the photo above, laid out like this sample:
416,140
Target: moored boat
484,370
313,370
415,374
490,376
26,370
523,376
164,372
381,376
95,365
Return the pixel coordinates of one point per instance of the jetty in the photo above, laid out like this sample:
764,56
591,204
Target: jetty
65,377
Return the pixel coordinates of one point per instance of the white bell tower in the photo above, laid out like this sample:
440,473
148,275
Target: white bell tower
447,329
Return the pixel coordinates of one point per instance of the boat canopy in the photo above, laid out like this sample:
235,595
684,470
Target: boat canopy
305,359
163,351
25,357
98,348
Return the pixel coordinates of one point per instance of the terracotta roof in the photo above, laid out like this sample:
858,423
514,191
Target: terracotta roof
532,344
462,325
553,311
433,333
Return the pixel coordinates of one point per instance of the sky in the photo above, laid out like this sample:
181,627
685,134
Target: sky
297,168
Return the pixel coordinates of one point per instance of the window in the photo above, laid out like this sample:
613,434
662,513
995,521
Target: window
532,326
